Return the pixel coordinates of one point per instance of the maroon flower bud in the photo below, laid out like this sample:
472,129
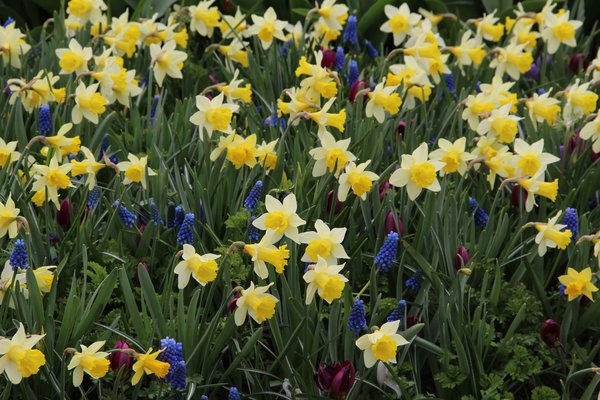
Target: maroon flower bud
213,79
594,156
233,303
356,87
338,204
119,359
138,238
412,320
577,60
461,258
401,128
550,333
383,188
64,214
518,196
576,146
328,60
336,379
393,223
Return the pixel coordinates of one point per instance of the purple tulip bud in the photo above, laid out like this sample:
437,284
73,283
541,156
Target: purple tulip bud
383,188
401,128
338,204
355,88
328,60
550,333
336,379
461,258
577,60
64,214
119,359
393,223
518,196
233,303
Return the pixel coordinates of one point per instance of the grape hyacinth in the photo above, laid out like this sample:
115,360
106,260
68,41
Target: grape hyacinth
350,33
177,218
481,217
93,197
340,58
154,213
18,256
126,216
45,120
234,394
398,313
387,253
357,321
8,21
253,232
414,282
572,222
173,354
352,72
371,50
153,109
253,197
186,231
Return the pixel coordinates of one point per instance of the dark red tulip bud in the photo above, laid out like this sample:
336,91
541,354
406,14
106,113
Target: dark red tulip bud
412,320
64,214
338,204
594,156
233,303
461,258
576,146
336,379
401,128
578,60
355,88
518,196
119,359
328,60
393,223
550,333
383,188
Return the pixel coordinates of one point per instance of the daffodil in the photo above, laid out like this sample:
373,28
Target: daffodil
63,144
86,10
530,158
18,358
267,155
453,155
417,172
233,24
51,178
241,150
12,45
332,156
513,60
87,166
543,108
323,34
557,29
202,267
496,158
148,364
590,131
536,186
381,100
319,81
356,177
281,218
500,125
267,28
477,107
382,344
324,279
256,302
325,243
204,18
551,235
8,154
233,91
8,218
489,28
265,252
7,276
325,119
37,92
400,22
44,276
522,33
167,61
580,101
235,51
578,283
90,360
136,170
469,51
89,104
332,14
74,58
213,114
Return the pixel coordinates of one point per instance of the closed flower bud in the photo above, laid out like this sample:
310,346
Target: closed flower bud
338,204
119,359
336,379
578,60
401,128
64,214
518,196
355,88
383,189
328,60
233,302
576,146
393,223
461,258
550,333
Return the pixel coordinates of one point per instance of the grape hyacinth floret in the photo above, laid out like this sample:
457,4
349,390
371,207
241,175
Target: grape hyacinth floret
387,253
173,354
398,313
572,222
253,197
127,217
357,321
186,230
18,256
481,217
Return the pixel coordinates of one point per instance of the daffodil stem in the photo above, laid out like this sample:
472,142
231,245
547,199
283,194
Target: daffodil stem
362,290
